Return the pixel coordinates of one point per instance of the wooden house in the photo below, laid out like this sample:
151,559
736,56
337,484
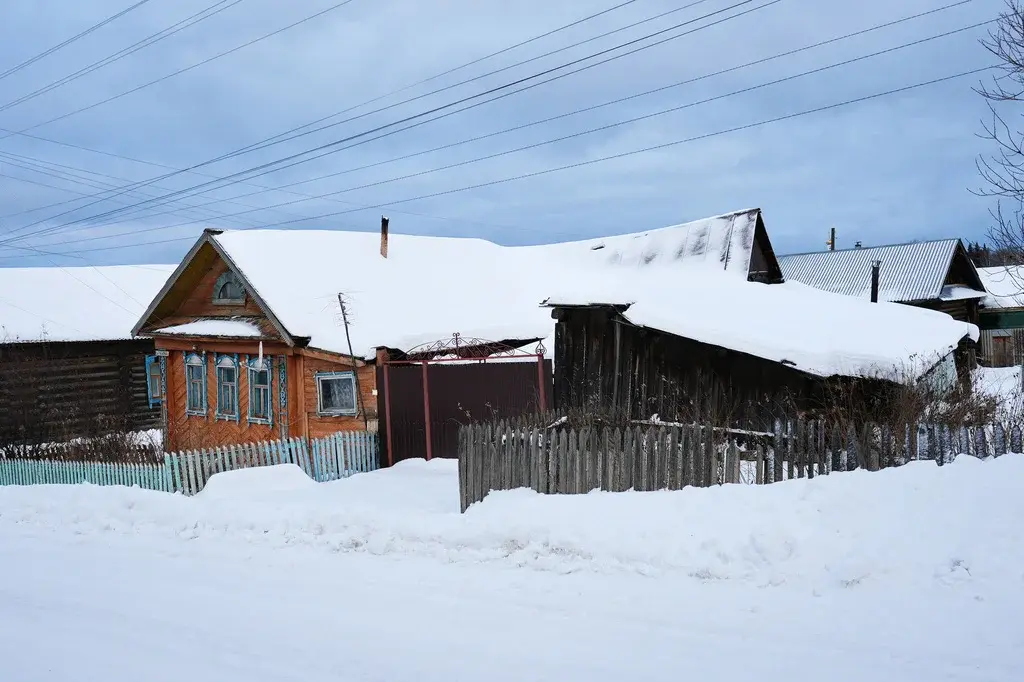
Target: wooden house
937,275
1001,317
737,353
271,333
69,367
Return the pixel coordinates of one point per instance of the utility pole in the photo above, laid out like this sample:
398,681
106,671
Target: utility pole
355,369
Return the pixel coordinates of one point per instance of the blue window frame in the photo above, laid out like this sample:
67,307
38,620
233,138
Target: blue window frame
154,373
336,394
260,406
195,384
227,387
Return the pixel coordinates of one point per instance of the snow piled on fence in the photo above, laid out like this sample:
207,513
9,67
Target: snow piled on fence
960,522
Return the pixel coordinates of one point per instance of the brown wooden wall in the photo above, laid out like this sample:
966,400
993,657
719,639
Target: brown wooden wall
297,418
58,390
660,374
186,432
318,426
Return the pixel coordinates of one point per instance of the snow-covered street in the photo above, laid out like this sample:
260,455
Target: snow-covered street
907,574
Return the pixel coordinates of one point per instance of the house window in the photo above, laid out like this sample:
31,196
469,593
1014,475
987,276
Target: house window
153,389
336,393
259,391
195,384
227,387
228,290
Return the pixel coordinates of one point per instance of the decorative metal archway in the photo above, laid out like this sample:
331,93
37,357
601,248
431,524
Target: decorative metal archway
456,349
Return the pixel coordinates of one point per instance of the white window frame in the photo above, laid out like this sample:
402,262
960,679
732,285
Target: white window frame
254,367
330,376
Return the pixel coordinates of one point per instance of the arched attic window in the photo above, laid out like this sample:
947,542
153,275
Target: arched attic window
228,290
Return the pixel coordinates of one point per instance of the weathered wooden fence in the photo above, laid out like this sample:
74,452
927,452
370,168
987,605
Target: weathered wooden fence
323,459
504,456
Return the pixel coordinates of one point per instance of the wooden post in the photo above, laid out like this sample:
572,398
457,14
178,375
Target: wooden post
355,367
426,407
542,396
387,411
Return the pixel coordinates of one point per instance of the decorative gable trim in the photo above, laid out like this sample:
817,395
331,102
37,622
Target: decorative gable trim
209,237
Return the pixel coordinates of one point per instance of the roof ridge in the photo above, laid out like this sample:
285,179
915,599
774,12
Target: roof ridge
868,248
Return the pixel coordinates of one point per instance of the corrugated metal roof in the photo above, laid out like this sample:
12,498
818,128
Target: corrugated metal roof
909,272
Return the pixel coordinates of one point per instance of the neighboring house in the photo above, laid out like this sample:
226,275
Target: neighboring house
937,275
409,301
1002,316
702,346
69,366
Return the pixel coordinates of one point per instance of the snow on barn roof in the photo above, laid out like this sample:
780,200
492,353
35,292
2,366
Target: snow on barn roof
99,303
814,331
724,241
909,272
1005,286
430,287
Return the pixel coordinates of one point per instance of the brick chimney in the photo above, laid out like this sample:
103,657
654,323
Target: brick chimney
383,237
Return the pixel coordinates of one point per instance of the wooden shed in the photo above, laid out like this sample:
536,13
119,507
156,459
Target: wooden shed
68,365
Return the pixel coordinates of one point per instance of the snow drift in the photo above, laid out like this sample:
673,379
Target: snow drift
918,522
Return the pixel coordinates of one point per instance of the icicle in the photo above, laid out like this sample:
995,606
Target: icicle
261,354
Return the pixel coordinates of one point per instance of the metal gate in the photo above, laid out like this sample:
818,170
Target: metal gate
435,388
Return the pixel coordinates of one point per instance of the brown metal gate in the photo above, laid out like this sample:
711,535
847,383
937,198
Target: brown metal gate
455,383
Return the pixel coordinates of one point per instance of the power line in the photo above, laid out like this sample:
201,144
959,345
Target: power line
270,165
46,53
210,11
787,53
591,130
589,162
179,71
504,50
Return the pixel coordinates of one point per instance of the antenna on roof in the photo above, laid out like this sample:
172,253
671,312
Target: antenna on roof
383,237
355,368
858,245
831,243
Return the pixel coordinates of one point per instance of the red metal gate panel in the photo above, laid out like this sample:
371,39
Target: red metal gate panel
459,393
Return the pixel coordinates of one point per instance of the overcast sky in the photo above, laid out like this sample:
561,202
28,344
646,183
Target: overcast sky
895,168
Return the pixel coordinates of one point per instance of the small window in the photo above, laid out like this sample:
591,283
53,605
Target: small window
153,383
336,393
195,384
228,290
259,391
227,387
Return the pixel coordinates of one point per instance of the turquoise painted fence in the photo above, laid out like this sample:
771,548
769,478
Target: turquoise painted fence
323,459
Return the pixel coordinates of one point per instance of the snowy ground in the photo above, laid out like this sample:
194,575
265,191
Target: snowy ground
908,574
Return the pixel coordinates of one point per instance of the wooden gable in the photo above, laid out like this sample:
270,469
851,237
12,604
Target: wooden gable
188,296
962,270
764,266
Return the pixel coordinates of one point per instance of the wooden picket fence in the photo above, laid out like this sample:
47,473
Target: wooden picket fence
323,459
558,460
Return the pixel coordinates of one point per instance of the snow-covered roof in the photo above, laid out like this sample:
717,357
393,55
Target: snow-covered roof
76,303
908,272
814,331
1005,286
228,328
429,288
724,241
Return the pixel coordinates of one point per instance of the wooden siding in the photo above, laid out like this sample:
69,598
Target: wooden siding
604,365
319,426
191,298
186,432
965,310
60,389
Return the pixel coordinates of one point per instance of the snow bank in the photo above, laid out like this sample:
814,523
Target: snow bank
920,522
1005,286
242,484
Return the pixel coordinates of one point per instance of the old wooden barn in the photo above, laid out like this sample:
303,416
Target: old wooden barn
709,346
69,366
